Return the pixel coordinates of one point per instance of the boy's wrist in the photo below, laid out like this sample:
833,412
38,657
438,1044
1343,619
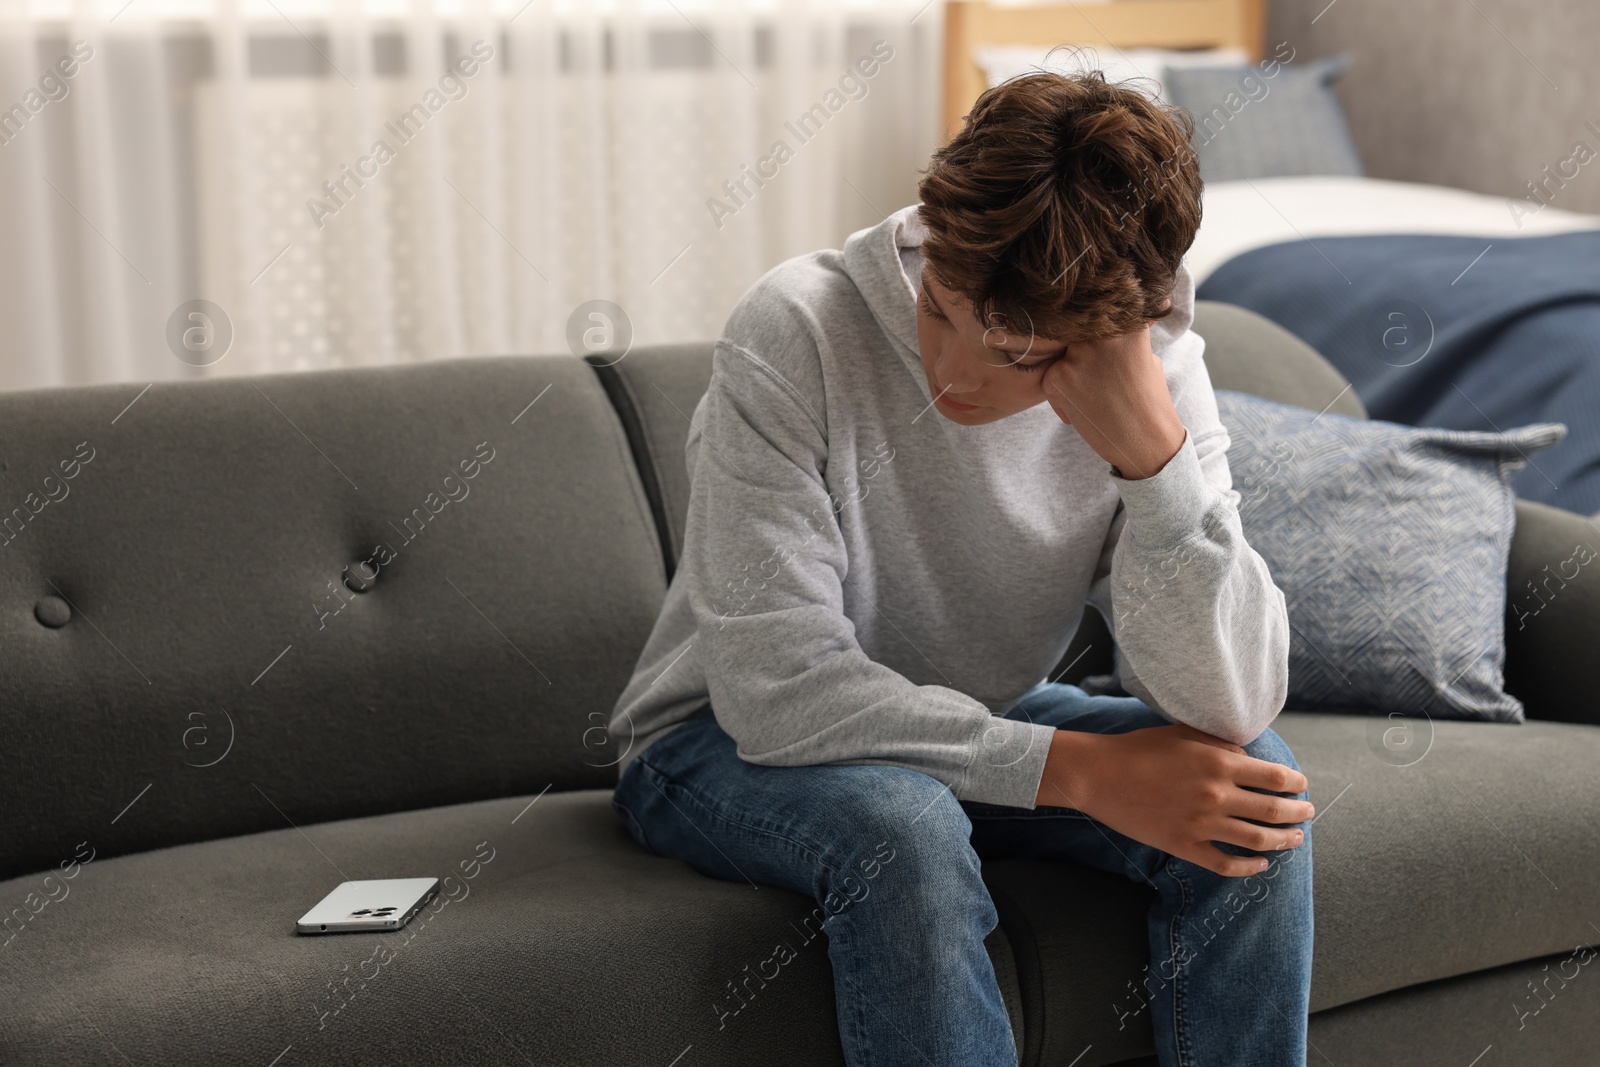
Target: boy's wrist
1153,452
1069,771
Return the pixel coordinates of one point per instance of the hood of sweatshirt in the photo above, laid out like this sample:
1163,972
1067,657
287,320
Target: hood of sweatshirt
885,263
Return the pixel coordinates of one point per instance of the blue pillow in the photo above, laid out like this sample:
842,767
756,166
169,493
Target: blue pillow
1390,544
1252,125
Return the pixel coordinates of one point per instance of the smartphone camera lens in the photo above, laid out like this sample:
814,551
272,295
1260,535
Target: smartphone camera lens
363,911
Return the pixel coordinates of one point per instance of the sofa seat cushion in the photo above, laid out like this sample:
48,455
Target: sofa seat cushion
1459,847
556,940
1453,848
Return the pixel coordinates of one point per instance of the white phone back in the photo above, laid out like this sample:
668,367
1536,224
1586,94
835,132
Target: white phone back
375,904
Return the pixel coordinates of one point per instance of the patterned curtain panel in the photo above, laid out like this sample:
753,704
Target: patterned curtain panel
224,187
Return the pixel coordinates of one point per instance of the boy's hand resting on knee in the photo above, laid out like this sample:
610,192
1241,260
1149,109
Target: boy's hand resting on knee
1177,789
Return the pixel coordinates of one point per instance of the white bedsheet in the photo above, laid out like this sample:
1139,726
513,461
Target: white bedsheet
1242,215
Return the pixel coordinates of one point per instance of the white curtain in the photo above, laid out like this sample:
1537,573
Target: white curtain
342,182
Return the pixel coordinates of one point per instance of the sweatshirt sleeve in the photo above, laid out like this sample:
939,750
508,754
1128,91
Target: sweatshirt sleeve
1202,631
765,562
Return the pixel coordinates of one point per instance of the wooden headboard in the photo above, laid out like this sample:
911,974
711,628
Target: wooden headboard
970,24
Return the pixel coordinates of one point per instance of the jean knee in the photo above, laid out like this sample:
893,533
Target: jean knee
914,814
911,845
1273,749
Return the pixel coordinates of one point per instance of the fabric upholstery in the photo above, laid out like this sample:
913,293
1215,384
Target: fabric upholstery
1354,517
202,550
570,945
1249,353
1553,624
662,386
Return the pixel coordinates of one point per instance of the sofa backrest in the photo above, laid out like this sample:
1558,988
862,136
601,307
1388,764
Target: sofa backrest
236,604
1249,353
655,391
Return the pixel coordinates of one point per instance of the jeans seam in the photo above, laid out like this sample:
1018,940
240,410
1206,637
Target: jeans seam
631,821
1179,1032
858,1020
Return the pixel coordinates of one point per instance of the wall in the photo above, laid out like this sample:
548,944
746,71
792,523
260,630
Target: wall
1478,94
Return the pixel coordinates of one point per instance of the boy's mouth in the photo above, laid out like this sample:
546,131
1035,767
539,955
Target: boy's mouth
941,395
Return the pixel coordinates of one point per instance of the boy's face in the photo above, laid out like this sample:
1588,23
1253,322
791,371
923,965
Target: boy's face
978,372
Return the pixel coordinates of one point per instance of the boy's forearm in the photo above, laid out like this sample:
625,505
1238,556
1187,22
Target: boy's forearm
1201,628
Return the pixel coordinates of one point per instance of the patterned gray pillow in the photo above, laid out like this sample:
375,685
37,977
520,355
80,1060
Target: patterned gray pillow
1251,125
1390,544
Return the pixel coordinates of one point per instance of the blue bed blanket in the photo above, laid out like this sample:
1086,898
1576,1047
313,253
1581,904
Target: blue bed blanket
1436,331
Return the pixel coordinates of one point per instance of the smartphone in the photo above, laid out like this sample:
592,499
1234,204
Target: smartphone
375,904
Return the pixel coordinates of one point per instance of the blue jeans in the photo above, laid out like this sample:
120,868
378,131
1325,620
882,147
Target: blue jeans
893,861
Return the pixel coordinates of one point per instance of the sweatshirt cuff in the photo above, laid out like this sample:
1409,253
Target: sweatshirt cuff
1167,507
1008,763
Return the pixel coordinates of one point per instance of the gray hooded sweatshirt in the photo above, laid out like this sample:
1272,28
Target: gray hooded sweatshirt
864,581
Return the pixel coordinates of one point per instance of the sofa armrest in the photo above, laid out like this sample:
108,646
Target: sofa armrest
1553,614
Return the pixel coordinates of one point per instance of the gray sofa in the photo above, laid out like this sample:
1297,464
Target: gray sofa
219,702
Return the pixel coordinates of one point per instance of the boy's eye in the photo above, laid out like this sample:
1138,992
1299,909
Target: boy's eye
1026,368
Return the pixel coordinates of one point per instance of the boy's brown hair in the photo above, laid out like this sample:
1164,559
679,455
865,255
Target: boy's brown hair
1064,206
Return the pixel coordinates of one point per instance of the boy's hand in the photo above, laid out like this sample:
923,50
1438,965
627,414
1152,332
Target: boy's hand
1114,392
1178,789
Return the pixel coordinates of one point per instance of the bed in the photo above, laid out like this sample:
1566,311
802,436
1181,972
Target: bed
974,27
1443,307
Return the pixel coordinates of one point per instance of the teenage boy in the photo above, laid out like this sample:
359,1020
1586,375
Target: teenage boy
917,460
